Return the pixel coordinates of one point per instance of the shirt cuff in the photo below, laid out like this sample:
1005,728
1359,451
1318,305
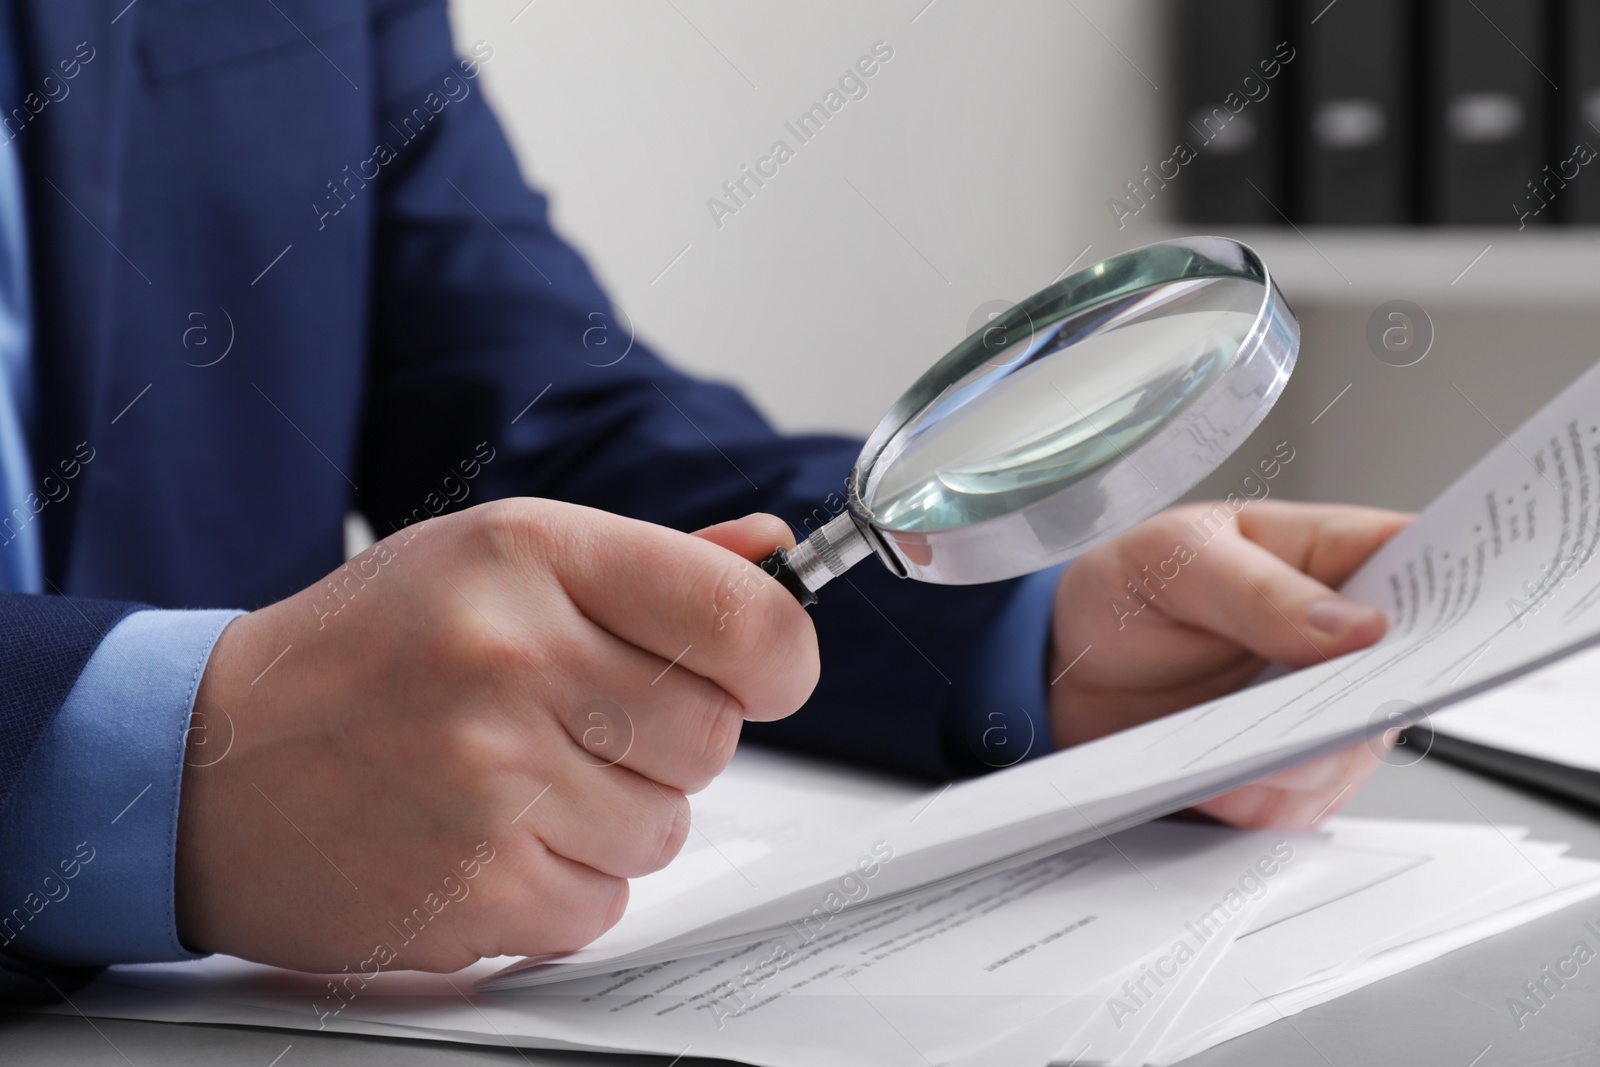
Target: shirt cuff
89,839
1003,710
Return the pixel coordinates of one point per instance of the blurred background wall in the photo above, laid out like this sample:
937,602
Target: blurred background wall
977,167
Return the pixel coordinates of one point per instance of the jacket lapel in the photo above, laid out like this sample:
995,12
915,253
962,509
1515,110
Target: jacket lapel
72,153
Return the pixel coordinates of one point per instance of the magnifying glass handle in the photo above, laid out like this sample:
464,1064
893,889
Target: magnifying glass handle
820,558
781,567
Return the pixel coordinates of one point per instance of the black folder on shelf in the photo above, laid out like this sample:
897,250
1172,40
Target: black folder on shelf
1232,115
1579,110
1354,111
1489,84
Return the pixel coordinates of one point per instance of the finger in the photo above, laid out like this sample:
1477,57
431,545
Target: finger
637,711
1327,541
754,537
538,903
1241,591
1299,797
694,604
608,818
1341,770
674,727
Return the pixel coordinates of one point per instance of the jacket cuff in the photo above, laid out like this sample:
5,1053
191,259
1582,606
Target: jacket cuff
89,838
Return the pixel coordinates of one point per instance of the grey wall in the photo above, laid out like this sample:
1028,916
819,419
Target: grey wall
978,165
1400,435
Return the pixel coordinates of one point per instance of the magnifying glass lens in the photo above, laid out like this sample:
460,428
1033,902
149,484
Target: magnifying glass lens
1072,417
1059,404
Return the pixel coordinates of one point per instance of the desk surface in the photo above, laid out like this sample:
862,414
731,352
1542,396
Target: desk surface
1450,1012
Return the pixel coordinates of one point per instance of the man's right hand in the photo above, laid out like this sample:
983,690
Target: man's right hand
467,741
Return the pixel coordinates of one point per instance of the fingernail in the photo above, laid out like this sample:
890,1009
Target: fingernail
1336,615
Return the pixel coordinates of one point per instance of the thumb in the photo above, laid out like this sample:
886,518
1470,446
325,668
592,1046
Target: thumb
754,537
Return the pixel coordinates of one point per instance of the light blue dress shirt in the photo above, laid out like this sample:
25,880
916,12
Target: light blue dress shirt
21,567
103,784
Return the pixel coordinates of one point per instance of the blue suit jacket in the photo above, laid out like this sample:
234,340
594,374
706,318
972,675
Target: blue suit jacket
318,188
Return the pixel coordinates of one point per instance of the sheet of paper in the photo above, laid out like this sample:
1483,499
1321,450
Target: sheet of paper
1456,585
1415,913
937,977
1128,1019
763,802
1480,880
1000,972
1269,1009
1553,714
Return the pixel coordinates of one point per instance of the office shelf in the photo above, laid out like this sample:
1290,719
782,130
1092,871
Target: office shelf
1337,267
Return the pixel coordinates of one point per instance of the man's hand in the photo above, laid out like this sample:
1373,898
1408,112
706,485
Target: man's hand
1192,605
466,741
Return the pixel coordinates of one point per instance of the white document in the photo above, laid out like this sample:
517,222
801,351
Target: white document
1470,881
938,977
1553,714
1168,937
1128,1019
997,972
1260,983
1456,586
763,802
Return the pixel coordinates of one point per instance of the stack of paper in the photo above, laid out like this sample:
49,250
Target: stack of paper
1465,882
1140,948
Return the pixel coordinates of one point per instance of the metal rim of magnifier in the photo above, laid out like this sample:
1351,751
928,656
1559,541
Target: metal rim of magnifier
1191,444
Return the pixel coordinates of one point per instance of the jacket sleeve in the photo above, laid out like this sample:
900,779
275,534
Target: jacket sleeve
44,644
489,330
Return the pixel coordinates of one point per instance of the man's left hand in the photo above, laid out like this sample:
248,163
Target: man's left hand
1192,605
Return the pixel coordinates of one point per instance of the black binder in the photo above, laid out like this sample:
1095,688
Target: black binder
1490,81
1233,107
1579,107
1354,122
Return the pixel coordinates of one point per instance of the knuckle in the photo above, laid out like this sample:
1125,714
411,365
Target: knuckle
764,641
448,960
466,640
450,636
511,530
671,829
737,622
715,739
791,663
471,641
614,894
531,906
1158,532
603,729
471,754
595,912
650,833
808,660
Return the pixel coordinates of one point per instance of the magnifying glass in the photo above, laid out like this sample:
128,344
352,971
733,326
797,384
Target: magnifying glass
1070,418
